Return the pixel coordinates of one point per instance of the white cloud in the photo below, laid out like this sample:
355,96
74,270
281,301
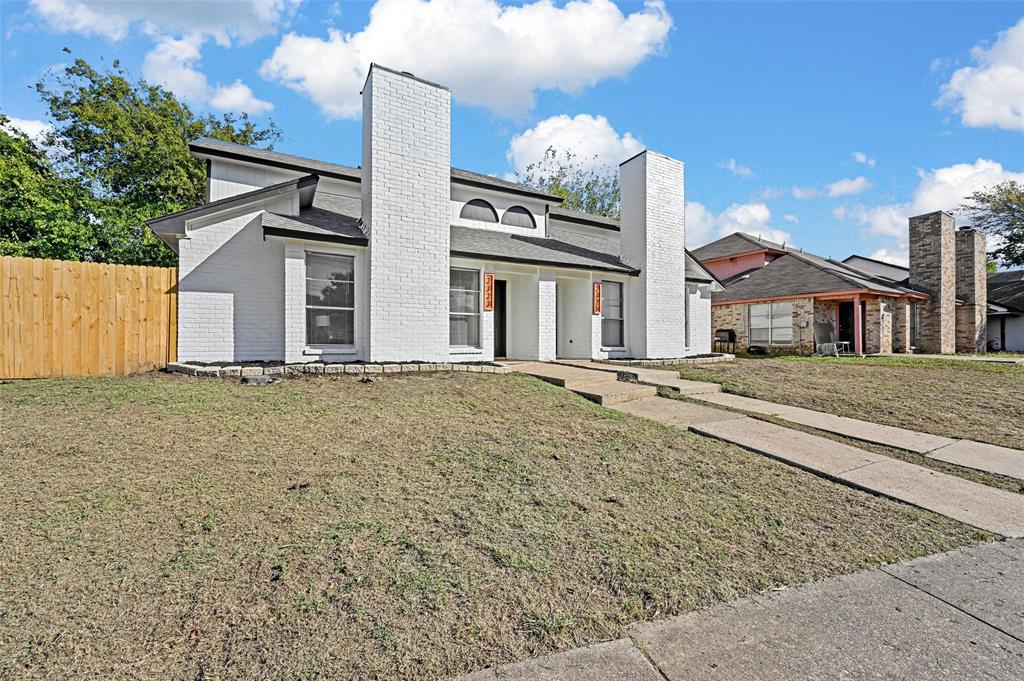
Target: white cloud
864,159
239,97
938,189
172,64
805,192
735,168
33,129
241,20
591,138
990,93
849,186
492,56
703,226
789,217
899,257
769,193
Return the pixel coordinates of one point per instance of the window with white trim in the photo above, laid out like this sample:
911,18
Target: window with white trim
611,315
771,323
464,308
330,299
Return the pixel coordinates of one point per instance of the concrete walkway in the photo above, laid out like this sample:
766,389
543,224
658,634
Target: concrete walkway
653,377
977,455
602,387
957,615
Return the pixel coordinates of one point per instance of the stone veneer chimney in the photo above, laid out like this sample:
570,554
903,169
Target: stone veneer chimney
653,239
933,269
972,289
406,190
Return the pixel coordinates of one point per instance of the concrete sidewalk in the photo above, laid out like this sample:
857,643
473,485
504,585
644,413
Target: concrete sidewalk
977,455
958,615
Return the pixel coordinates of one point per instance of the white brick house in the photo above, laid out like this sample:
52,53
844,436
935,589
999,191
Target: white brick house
409,259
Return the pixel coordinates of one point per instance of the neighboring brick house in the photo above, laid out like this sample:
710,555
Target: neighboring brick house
1006,310
775,294
409,259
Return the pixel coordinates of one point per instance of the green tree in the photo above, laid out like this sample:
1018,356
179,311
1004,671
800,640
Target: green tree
584,187
999,212
126,141
42,215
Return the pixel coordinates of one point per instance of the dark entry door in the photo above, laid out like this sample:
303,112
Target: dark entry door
500,346
846,322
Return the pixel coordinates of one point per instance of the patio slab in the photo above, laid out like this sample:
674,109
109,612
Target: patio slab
857,429
983,457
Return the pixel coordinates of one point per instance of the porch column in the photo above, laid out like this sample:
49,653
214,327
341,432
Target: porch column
547,310
901,326
858,326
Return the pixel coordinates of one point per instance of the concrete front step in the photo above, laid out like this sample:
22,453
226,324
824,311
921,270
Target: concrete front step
655,377
608,394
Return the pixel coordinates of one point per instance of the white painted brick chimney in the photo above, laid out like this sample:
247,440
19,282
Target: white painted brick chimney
653,239
406,190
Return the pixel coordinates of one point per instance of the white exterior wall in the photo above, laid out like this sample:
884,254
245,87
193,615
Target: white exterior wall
501,202
653,238
231,291
574,313
698,319
406,189
1014,332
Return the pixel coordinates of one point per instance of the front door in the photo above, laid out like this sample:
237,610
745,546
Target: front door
500,343
846,322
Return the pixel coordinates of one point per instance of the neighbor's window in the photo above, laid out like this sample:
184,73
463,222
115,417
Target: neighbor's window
771,323
330,299
611,314
464,316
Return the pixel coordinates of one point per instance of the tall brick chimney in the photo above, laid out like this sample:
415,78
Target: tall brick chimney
652,239
933,269
972,289
406,190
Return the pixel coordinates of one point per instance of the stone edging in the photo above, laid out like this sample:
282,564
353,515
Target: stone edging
236,370
724,357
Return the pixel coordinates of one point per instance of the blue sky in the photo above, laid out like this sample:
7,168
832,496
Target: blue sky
823,123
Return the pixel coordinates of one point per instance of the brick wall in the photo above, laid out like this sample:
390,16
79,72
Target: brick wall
933,269
736,317
972,288
406,202
652,238
878,324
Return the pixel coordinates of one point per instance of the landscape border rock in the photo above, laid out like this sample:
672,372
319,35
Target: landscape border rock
228,370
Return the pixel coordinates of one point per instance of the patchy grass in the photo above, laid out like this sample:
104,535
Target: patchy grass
975,400
417,526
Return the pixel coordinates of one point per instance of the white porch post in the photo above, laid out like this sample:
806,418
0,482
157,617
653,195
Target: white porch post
547,338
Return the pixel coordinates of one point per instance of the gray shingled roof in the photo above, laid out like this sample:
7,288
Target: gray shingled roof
795,274
735,244
1007,289
502,247
241,152
331,218
575,216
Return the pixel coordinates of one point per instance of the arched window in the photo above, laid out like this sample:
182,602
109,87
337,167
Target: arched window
478,209
517,216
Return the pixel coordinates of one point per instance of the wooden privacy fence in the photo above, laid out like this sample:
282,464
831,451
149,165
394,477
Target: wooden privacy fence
60,318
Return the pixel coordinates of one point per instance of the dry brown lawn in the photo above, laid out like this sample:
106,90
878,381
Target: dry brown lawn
417,526
956,398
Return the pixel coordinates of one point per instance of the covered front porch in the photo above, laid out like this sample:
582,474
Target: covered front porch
865,323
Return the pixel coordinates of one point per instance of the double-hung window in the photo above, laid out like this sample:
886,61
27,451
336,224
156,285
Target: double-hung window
611,314
771,323
330,299
464,310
